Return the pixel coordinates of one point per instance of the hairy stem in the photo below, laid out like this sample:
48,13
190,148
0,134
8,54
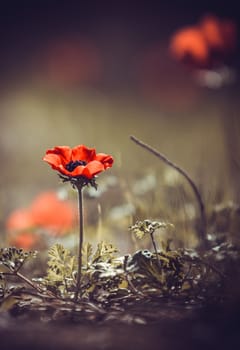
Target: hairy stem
26,280
189,180
43,293
80,246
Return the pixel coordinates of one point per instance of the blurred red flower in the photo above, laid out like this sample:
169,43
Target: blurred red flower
20,219
206,44
79,161
55,215
26,240
189,45
219,34
20,227
47,213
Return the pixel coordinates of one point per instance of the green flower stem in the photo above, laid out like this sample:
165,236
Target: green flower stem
155,248
79,273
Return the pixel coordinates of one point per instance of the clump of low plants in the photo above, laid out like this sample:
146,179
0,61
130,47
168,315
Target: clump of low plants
97,284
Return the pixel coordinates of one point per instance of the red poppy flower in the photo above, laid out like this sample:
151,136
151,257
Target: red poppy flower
79,161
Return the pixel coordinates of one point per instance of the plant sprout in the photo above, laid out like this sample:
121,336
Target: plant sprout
148,227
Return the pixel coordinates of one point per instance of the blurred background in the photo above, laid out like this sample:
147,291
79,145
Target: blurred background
93,73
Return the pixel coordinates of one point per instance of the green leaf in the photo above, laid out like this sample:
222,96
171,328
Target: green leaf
61,268
104,253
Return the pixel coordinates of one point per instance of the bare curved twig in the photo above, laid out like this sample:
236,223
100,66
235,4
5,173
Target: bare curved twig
187,177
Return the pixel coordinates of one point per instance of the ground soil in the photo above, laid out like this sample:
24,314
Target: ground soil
171,327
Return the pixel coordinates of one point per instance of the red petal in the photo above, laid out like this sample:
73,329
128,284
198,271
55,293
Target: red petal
93,168
105,159
77,171
62,155
53,159
82,152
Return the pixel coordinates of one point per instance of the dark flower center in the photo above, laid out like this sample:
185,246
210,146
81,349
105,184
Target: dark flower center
73,164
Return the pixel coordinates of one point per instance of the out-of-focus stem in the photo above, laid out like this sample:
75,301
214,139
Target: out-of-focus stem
189,180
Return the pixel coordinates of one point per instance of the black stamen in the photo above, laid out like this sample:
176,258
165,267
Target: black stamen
73,164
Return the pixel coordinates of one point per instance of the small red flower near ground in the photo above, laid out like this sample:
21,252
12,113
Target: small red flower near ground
46,214
77,162
19,220
55,215
25,240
